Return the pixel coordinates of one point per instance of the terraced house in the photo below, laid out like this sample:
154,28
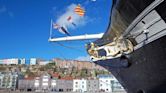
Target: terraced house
8,80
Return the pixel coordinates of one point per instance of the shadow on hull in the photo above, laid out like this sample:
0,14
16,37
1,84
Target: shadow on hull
142,71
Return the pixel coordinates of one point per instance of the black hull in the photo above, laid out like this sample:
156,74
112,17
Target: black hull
146,70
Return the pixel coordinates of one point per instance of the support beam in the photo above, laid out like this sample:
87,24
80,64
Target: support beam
81,37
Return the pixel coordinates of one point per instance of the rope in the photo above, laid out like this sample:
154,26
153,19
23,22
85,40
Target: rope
69,47
60,54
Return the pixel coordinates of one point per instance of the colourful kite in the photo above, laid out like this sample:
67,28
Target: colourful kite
80,11
61,29
71,21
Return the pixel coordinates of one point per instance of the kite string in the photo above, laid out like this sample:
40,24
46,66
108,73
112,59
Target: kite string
62,54
59,53
69,47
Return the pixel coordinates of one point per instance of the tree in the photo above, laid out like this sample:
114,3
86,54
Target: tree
84,72
29,73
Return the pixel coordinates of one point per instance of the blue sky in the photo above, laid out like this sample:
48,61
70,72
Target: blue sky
25,24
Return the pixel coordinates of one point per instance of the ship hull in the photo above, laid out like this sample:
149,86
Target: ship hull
142,71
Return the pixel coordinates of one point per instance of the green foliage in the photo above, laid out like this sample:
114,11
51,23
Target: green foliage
98,72
50,65
55,69
29,73
84,72
2,68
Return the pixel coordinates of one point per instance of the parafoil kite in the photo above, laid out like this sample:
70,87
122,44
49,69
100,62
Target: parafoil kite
61,29
71,21
79,10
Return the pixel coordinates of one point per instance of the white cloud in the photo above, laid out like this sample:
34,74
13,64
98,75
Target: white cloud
78,20
83,58
93,0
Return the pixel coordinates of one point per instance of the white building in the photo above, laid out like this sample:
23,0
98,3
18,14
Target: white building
43,62
105,84
79,85
116,86
53,85
108,83
45,82
22,61
12,61
8,80
37,82
33,61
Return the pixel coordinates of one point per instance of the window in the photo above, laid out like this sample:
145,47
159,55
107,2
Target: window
76,82
60,90
76,86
